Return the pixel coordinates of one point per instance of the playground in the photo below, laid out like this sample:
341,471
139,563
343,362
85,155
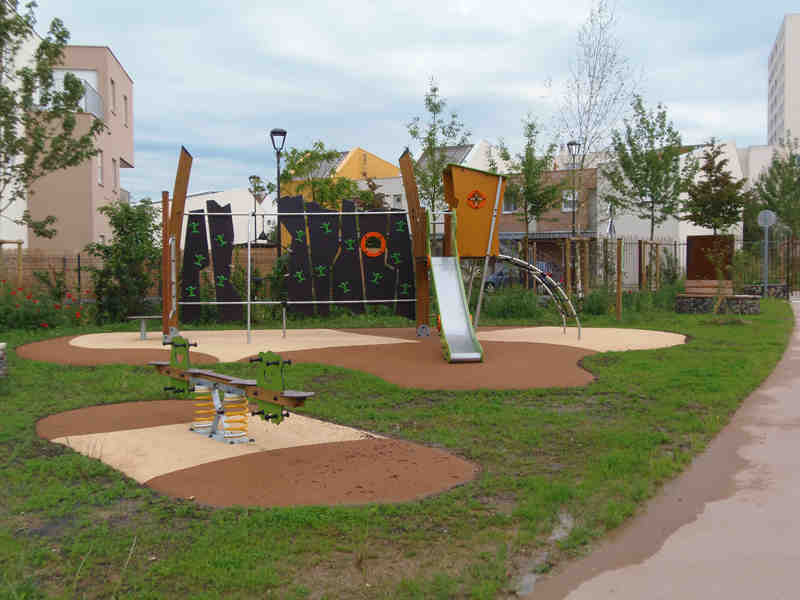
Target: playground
446,459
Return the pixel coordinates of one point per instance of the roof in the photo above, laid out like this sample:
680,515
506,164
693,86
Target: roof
324,168
453,154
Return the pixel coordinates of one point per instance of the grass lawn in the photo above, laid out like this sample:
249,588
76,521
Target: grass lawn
70,526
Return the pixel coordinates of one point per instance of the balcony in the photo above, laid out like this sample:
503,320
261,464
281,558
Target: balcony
91,102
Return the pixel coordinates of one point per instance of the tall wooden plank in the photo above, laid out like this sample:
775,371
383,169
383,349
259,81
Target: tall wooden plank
347,280
419,236
166,280
195,259
221,230
176,216
299,284
401,259
323,237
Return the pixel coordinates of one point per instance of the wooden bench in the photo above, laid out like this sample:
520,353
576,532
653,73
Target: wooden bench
709,287
143,324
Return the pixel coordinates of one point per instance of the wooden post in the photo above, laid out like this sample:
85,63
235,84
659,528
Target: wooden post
605,262
619,279
585,267
658,267
176,218
19,263
447,242
166,282
642,265
418,218
568,251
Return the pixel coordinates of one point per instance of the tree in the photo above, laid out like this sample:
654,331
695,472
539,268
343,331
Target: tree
39,130
645,174
600,86
528,188
128,260
715,200
778,188
434,135
315,171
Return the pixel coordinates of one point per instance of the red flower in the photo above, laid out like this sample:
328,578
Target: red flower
17,305
2,280
36,302
56,306
44,325
29,296
69,295
77,315
13,292
19,289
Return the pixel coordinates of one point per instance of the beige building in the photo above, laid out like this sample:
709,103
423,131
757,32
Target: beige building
783,97
74,195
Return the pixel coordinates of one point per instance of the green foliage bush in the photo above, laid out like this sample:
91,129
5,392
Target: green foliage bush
511,303
128,261
598,302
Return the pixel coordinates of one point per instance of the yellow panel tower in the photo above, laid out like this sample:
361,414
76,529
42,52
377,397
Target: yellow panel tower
472,194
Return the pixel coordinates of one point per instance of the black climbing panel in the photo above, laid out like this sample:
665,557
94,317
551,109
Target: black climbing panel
221,230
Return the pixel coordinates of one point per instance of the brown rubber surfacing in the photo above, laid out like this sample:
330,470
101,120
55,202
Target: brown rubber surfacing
59,350
115,417
506,365
354,472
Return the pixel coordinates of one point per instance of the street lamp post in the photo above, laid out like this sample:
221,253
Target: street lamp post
572,148
278,138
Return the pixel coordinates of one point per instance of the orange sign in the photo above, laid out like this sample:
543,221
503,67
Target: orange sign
373,252
476,199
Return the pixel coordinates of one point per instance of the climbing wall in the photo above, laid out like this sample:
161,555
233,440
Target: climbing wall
221,229
345,256
294,238
323,234
195,259
347,266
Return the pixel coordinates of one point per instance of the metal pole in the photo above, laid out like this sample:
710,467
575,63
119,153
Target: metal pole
278,198
766,261
488,252
283,310
249,278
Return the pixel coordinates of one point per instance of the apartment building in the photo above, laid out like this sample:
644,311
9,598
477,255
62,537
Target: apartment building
74,195
783,96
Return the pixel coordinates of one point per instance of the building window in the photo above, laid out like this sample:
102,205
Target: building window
510,202
113,97
125,109
568,201
114,174
100,167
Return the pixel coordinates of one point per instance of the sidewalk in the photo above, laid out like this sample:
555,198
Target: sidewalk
728,527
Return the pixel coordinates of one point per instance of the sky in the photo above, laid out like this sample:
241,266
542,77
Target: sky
215,76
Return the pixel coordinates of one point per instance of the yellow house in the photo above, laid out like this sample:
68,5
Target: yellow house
356,164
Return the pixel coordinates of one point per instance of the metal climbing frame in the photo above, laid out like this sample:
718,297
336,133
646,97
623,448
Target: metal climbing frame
556,292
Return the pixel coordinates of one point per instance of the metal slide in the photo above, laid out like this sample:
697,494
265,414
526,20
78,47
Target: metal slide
556,292
458,336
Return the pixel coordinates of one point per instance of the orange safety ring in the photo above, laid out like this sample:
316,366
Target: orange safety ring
476,199
373,252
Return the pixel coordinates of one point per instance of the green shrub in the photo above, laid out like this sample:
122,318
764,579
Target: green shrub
24,309
511,303
597,302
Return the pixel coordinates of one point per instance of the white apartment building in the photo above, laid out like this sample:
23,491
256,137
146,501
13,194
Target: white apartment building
783,97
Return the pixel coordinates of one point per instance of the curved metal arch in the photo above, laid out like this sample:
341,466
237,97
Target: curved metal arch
549,284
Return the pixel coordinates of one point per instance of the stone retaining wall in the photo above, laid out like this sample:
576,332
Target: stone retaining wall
743,305
774,290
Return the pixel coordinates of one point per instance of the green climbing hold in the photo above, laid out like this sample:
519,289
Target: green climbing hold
345,287
190,291
396,258
299,276
326,227
221,240
194,227
322,270
221,279
198,260
400,226
376,278
349,244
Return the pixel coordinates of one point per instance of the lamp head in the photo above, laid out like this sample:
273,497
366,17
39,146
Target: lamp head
572,148
278,137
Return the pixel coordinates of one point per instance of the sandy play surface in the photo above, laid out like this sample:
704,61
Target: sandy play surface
300,461
599,339
230,346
